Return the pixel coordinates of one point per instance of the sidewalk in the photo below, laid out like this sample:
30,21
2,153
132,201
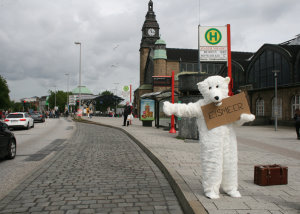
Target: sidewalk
256,145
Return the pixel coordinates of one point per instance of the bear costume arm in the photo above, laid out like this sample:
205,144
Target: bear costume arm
244,118
182,109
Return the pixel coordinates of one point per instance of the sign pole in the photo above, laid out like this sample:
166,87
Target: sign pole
130,93
172,130
229,60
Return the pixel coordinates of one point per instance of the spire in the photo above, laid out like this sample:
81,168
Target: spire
150,6
150,29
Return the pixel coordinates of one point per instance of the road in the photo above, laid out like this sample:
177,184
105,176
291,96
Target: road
98,170
34,147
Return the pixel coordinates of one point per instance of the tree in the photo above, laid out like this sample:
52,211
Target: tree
107,93
16,106
61,100
4,94
106,99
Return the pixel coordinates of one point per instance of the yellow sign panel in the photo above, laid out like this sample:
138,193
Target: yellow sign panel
213,36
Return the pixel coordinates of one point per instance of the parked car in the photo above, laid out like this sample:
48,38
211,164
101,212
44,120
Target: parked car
37,117
8,143
19,120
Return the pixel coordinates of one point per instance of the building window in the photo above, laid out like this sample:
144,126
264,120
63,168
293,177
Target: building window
188,67
295,104
279,107
238,76
211,68
260,110
260,72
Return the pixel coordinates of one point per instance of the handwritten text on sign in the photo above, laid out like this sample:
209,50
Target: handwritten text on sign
229,112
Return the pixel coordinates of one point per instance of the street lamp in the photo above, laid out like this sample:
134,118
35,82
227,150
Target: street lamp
79,43
54,97
117,84
68,91
275,103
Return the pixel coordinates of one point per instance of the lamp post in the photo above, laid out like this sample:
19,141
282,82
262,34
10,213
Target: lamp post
67,90
117,84
275,103
79,43
54,97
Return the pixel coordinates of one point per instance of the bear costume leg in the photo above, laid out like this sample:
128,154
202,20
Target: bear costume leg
211,166
230,159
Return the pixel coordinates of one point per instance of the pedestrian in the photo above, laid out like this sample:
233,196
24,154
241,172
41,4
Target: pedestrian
88,112
91,113
127,111
297,122
57,113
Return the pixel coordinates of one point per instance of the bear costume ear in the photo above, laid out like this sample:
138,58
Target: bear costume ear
227,80
201,86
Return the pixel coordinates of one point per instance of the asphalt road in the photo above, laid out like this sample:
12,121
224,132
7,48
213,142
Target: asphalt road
34,147
98,170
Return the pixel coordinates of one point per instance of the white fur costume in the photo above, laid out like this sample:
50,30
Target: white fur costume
218,145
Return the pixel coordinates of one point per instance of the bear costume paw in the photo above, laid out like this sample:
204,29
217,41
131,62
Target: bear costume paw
247,117
234,194
212,195
167,108
244,118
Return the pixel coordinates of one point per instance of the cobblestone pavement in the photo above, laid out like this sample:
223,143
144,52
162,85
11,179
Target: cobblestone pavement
256,145
99,170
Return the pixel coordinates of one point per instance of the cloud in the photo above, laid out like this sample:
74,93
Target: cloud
37,37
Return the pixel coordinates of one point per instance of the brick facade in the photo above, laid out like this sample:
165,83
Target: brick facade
285,97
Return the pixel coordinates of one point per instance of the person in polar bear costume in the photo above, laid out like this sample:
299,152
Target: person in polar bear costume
218,146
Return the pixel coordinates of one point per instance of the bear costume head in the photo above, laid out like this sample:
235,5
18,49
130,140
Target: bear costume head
214,89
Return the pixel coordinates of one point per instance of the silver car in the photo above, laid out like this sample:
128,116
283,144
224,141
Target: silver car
19,120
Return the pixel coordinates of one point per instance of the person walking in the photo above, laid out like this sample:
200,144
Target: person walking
127,111
91,113
88,112
297,122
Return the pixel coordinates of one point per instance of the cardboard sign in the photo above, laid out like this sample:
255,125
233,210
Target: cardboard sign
230,111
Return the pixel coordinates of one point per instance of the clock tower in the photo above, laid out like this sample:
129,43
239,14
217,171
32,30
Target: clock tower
150,29
150,34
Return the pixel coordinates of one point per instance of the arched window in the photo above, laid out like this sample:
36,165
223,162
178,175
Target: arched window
260,107
297,70
279,107
260,72
238,76
295,104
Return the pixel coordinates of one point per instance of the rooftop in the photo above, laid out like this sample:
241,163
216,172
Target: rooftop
84,90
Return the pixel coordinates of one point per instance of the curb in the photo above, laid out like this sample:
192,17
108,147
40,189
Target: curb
188,201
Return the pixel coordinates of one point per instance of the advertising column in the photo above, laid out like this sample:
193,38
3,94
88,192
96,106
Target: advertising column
147,111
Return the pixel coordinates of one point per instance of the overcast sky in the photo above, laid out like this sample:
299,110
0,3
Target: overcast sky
37,37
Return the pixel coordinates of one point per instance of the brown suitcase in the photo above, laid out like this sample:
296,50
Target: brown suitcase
266,175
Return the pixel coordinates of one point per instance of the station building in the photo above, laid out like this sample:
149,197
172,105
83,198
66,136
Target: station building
251,72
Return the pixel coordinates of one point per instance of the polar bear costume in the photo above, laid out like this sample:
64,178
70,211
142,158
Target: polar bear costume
218,146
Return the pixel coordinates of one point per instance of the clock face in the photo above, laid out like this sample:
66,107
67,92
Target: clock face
151,32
